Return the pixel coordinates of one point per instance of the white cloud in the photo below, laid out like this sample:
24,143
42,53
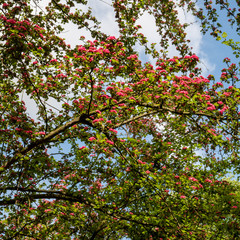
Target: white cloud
193,31
196,40
104,13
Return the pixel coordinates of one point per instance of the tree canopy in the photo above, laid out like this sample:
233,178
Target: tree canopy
107,146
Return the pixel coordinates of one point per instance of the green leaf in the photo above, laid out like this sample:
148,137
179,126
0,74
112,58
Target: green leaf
224,35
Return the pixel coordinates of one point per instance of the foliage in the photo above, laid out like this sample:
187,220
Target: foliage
130,149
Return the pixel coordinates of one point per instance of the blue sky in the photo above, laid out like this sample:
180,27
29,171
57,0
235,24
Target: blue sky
210,51
214,50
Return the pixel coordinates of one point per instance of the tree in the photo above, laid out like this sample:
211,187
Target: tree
117,155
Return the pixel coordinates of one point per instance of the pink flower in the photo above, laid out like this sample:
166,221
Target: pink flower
139,161
208,180
53,60
81,48
111,38
133,56
11,21
82,147
132,98
211,108
172,60
67,176
92,138
223,75
110,142
98,120
195,57
227,94
193,179
113,111
106,51
219,83
227,59
147,172
35,62
223,110
234,206
109,88
112,130
40,133
183,196
121,94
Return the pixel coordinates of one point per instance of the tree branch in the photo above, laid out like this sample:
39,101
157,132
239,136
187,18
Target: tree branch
49,195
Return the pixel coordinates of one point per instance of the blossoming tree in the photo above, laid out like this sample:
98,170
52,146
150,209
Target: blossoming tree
130,150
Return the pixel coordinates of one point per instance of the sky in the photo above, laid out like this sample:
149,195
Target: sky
210,52
103,10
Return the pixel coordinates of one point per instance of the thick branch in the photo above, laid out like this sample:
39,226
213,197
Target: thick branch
59,196
81,119
136,118
172,110
47,138
21,189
